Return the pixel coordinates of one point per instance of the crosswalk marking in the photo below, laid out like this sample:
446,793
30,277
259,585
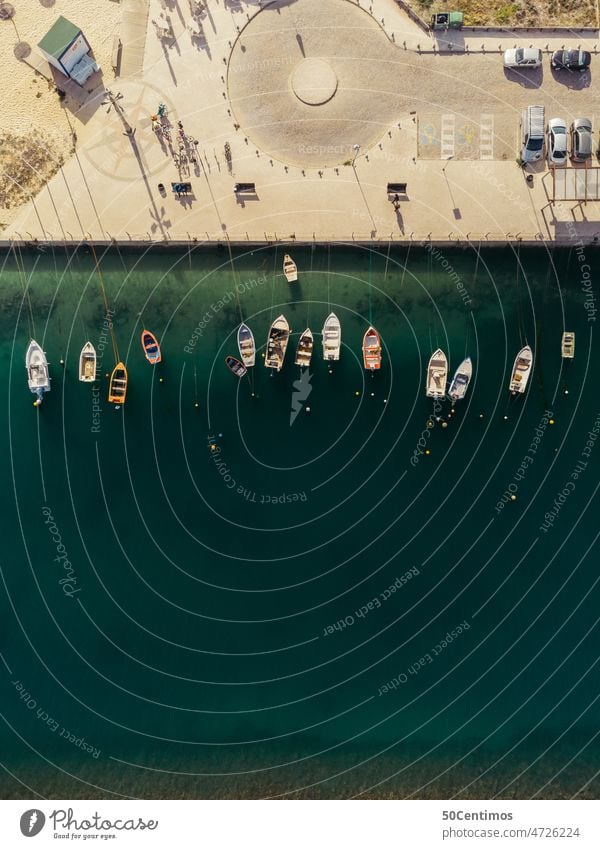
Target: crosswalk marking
486,137
447,137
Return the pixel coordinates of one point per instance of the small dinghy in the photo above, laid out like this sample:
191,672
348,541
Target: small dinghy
117,389
567,346
332,338
235,366
371,350
246,345
460,381
151,347
87,363
437,375
305,349
290,269
521,371
38,376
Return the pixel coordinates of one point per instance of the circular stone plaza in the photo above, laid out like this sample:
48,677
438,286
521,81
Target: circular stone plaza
321,105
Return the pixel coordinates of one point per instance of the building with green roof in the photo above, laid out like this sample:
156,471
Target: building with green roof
66,49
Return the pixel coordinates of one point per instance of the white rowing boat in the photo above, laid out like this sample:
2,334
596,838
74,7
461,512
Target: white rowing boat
246,345
38,376
290,269
437,375
332,337
567,346
305,349
521,370
87,363
460,381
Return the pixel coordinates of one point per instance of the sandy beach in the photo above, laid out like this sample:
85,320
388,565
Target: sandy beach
33,118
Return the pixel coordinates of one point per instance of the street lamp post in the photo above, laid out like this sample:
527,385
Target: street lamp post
356,149
113,102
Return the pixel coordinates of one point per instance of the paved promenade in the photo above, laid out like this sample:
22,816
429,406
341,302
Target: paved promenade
322,103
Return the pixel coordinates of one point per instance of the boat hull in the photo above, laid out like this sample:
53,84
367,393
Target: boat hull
460,381
87,363
437,375
117,390
568,345
290,269
332,338
521,371
371,350
235,366
305,349
277,342
151,347
38,375
246,345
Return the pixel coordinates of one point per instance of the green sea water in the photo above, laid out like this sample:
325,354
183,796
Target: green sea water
253,588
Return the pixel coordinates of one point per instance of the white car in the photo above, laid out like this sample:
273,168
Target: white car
523,58
557,142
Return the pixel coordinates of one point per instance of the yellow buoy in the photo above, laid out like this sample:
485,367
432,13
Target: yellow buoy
357,393
551,421
513,498
427,451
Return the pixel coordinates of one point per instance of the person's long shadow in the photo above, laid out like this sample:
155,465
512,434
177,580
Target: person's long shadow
300,44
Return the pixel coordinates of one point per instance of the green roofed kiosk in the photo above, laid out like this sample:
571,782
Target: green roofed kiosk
67,49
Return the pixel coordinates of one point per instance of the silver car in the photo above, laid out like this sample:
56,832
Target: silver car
557,142
523,58
582,140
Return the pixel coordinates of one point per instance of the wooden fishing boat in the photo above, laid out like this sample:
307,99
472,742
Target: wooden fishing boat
117,389
246,345
151,347
568,345
38,376
277,342
371,350
87,363
332,337
235,366
460,381
305,349
521,370
290,269
437,375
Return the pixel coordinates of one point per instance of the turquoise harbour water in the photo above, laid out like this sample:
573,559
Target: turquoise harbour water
313,609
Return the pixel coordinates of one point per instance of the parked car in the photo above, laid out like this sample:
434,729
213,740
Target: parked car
571,60
523,57
557,141
582,139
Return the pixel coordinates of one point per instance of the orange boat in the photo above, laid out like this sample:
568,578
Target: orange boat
117,389
372,350
151,347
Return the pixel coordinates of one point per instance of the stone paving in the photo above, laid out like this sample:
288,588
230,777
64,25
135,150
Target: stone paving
322,103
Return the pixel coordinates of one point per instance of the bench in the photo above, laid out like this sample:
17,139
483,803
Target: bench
396,188
244,187
181,188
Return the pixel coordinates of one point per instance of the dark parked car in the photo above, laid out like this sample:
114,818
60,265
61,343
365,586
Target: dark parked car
571,60
582,139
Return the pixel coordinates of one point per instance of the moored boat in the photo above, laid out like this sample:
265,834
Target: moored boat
371,350
87,363
305,349
290,269
277,342
437,375
38,376
235,366
117,389
151,347
246,345
521,370
567,346
460,381
332,337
